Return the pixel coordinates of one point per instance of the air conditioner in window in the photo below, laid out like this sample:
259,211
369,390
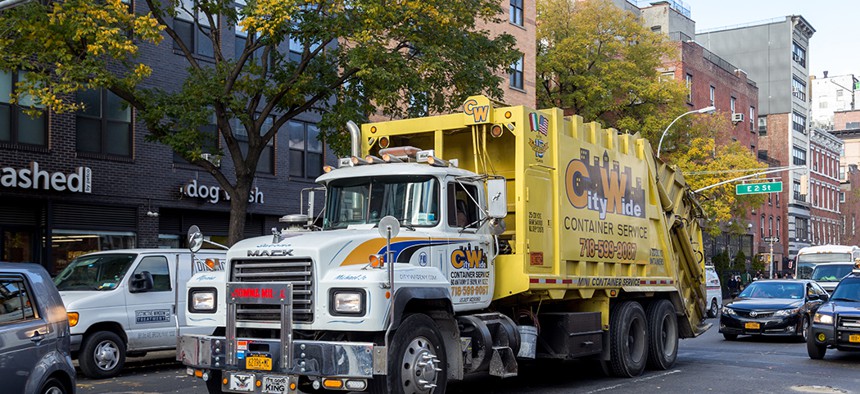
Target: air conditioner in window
737,117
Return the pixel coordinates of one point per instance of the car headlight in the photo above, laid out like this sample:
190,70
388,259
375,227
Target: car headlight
73,318
728,311
785,312
347,302
203,300
823,318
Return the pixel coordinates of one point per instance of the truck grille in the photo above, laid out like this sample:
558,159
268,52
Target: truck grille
299,272
851,323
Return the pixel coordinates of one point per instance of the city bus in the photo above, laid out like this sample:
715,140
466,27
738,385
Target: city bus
808,257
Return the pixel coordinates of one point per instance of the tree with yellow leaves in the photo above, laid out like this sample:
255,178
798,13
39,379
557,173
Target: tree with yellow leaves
341,59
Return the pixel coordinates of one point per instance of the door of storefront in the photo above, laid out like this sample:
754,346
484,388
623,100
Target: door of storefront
18,244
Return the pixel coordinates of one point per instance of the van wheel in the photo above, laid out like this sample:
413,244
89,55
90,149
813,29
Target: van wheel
714,310
102,355
628,339
53,386
417,361
662,335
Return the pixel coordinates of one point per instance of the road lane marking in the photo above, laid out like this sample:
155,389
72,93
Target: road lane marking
634,381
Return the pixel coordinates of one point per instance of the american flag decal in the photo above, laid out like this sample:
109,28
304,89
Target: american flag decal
544,125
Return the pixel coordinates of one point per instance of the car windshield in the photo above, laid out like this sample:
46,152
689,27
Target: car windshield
847,291
414,200
773,290
94,272
831,273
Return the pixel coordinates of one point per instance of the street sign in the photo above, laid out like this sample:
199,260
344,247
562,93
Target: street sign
770,239
756,188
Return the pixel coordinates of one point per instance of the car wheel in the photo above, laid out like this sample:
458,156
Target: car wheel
662,335
803,332
715,309
53,386
815,351
730,337
417,362
628,339
102,355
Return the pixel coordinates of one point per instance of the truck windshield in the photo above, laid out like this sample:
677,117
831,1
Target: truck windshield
831,273
414,200
94,272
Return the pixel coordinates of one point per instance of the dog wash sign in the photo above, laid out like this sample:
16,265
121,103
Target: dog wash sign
32,177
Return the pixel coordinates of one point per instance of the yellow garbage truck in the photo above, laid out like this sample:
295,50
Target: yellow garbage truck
457,244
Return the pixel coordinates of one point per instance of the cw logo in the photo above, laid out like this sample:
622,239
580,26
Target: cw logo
478,112
468,257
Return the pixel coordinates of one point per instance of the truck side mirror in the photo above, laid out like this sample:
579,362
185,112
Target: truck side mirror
141,283
497,198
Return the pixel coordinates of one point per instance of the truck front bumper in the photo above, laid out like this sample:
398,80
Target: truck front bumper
351,363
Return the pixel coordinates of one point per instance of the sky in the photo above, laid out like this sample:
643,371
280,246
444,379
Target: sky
832,48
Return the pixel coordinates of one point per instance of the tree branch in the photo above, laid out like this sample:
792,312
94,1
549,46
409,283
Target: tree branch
156,12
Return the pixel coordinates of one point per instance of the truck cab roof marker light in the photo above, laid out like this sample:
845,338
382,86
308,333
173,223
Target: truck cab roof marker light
328,169
436,162
357,161
389,158
371,159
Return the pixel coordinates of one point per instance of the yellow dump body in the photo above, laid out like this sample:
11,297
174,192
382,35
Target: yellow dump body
592,214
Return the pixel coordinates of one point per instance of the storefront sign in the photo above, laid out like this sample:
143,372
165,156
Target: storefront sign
32,177
213,194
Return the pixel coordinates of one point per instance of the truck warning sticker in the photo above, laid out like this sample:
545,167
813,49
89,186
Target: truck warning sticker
152,316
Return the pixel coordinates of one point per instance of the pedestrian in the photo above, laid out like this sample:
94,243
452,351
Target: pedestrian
733,286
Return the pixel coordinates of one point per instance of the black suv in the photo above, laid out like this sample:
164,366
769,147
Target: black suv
836,325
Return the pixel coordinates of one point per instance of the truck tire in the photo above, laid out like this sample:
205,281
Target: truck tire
815,351
102,355
628,340
417,341
662,335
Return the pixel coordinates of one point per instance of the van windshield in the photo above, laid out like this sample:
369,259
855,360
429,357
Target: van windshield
831,273
94,272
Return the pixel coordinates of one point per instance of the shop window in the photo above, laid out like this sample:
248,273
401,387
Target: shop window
15,303
103,126
16,126
516,12
515,73
158,269
193,28
306,150
462,211
69,244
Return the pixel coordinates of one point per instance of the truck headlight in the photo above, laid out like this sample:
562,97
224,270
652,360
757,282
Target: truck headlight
202,300
347,302
823,318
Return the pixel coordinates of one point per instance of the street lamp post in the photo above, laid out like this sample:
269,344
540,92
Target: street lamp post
706,110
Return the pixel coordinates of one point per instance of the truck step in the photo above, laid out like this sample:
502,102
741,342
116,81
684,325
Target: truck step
504,362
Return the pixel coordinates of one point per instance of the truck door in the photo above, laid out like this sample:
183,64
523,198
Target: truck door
150,312
466,259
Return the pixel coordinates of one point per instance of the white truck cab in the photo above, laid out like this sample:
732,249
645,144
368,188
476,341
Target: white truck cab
121,303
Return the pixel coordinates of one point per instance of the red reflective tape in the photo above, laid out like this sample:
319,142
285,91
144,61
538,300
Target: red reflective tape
550,281
568,281
532,280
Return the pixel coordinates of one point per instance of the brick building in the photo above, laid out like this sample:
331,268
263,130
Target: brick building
849,203
824,188
78,182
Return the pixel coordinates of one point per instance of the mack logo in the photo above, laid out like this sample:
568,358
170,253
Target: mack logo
270,253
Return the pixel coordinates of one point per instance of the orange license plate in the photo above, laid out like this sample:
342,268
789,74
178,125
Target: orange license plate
854,338
259,363
752,326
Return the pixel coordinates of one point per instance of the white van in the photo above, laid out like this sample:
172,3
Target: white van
121,303
715,291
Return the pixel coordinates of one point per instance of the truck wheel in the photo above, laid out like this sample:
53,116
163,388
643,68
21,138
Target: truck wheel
714,310
102,355
816,351
628,342
662,335
53,386
416,360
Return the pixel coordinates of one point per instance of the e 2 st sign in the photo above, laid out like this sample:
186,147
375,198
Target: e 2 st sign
756,188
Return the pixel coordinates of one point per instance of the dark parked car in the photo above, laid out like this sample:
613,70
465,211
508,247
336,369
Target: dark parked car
34,333
836,325
772,307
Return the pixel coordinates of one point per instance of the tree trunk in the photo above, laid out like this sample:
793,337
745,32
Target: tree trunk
238,213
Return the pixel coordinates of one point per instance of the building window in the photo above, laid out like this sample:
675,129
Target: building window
516,74
798,122
852,125
798,88
689,85
516,16
306,150
266,162
777,199
801,228
761,225
770,226
799,156
209,143
713,94
68,244
752,117
762,126
732,102
104,124
17,127
841,196
798,54
778,225
193,28
796,190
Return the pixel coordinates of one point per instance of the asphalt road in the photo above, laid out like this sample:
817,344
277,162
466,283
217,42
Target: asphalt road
705,364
